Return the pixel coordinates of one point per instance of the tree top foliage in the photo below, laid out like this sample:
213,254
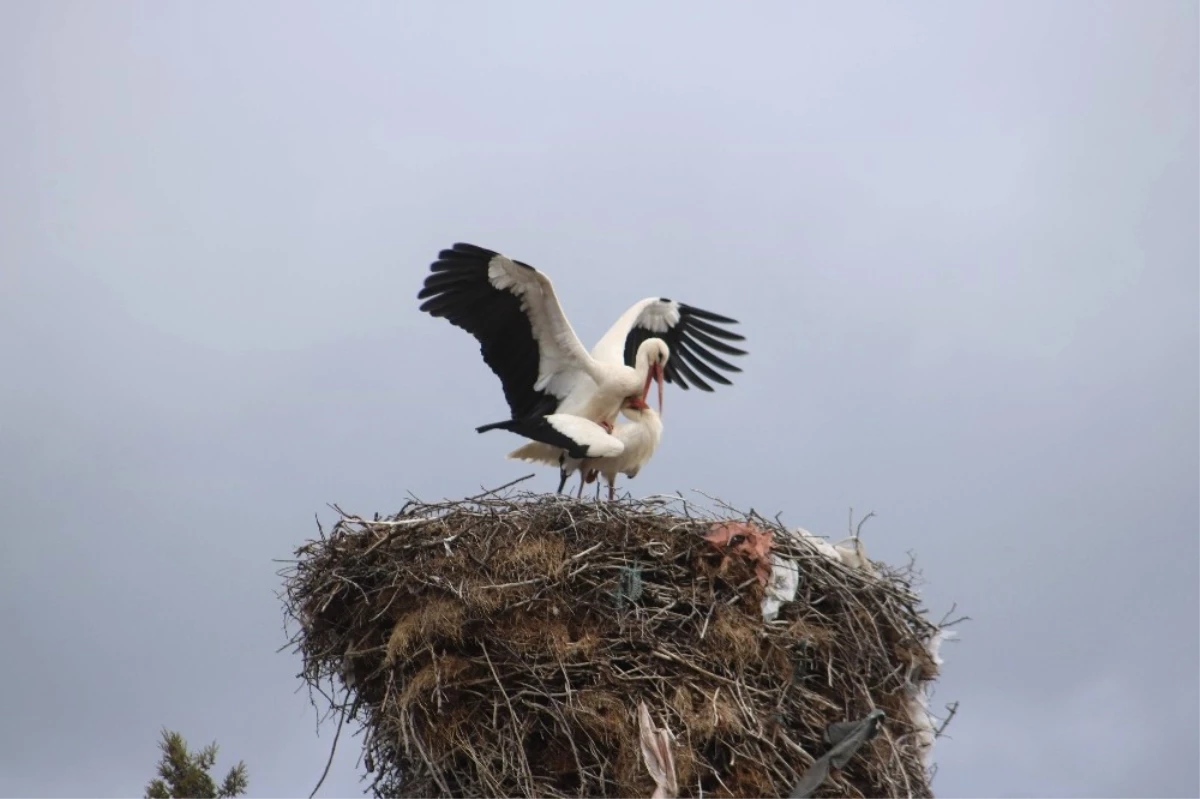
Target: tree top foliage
182,773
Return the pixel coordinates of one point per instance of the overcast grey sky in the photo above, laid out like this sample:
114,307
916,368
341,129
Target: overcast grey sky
961,239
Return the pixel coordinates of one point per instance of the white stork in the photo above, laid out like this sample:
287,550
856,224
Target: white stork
640,435
547,375
639,438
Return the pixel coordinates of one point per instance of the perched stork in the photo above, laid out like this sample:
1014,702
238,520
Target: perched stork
547,375
640,436
639,439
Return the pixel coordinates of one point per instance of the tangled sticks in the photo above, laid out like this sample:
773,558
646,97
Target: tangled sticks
506,646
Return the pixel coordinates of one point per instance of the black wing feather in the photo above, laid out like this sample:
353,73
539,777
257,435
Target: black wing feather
458,290
713,360
692,340
703,368
684,370
709,315
713,330
719,346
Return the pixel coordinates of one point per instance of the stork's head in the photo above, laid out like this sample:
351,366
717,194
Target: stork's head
634,404
635,408
652,356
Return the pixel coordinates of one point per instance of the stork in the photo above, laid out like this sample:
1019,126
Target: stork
640,435
639,438
547,375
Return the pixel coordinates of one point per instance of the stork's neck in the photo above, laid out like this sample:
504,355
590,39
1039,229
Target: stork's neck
601,373
641,363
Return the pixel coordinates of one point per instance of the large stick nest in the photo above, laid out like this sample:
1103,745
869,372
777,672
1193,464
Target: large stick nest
500,646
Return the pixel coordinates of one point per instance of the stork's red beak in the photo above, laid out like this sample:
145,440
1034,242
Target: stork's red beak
656,374
636,403
658,371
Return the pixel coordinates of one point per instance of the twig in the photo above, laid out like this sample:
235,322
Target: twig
853,530
495,491
944,624
332,749
953,708
511,712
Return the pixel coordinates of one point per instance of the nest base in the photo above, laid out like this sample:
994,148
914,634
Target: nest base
501,646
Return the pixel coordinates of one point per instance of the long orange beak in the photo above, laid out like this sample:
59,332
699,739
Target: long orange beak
655,373
658,373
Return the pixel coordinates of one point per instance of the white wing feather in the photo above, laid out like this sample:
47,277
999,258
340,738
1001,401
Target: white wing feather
536,452
651,313
562,357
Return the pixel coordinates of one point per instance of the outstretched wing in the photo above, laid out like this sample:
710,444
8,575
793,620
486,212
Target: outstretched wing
694,335
512,310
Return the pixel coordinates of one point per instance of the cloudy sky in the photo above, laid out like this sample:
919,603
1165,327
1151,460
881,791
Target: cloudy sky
961,240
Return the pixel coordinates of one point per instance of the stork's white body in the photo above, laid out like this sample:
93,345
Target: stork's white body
639,438
609,354
598,388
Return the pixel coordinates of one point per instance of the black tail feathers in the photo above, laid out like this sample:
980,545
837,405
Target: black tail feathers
505,425
537,428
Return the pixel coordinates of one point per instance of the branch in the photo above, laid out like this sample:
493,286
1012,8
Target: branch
953,708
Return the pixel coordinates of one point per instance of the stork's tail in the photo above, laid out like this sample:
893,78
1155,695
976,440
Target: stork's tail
579,437
537,452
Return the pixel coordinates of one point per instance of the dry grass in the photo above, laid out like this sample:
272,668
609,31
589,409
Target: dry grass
500,646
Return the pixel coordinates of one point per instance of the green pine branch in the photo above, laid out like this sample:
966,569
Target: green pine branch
183,774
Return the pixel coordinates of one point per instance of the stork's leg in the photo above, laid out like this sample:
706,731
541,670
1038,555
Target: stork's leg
562,472
579,495
612,490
